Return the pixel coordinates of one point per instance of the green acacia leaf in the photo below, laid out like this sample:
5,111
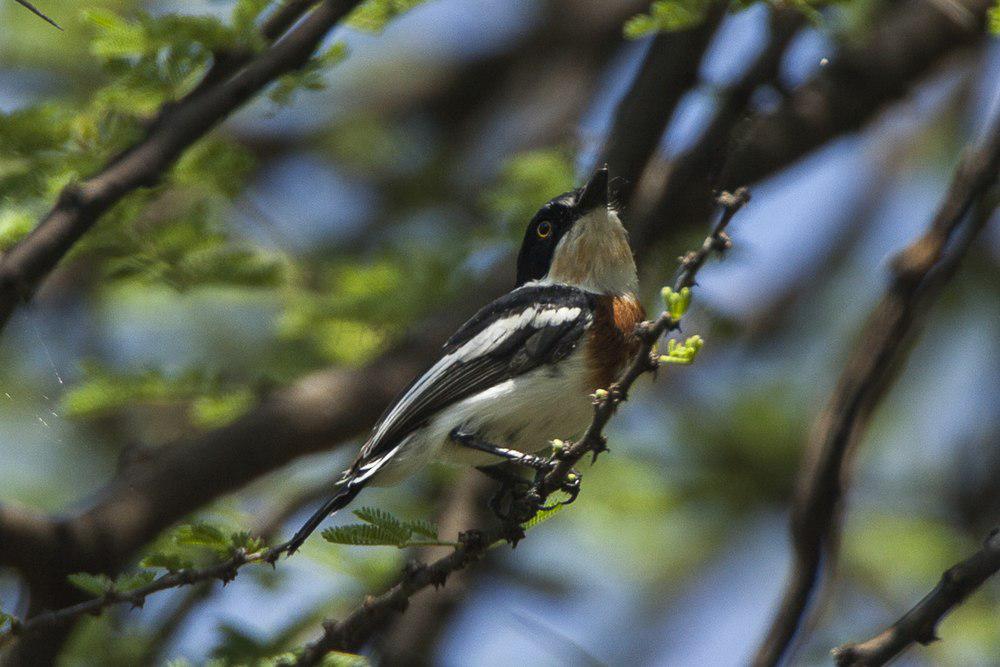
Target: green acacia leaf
385,521
544,515
667,16
341,659
169,562
95,584
375,15
130,581
202,535
362,534
247,541
423,528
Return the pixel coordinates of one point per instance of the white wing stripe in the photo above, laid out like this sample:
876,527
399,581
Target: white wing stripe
537,317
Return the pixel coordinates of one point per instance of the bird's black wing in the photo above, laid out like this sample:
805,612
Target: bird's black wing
529,327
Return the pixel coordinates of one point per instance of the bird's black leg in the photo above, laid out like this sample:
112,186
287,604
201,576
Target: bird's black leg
541,465
521,458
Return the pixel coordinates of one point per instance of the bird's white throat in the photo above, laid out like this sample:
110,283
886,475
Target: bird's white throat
595,255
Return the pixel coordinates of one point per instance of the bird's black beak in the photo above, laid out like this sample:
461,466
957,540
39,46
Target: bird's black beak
595,192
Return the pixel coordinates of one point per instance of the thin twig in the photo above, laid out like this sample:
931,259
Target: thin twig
919,625
354,630
919,272
37,12
225,572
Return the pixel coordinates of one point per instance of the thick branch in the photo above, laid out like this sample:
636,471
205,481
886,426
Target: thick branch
25,266
919,625
919,271
27,536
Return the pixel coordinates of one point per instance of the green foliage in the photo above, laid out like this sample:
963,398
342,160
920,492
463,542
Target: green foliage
331,659
994,18
189,544
667,16
374,15
202,535
525,181
173,45
245,15
7,621
555,502
676,303
353,309
171,562
14,226
673,15
341,659
101,584
380,528
156,59
682,353
310,76
34,146
218,410
919,549
212,401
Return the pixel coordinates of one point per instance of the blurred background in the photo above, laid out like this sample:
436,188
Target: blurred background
330,220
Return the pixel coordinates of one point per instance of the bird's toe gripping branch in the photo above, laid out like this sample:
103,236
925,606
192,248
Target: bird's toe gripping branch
515,501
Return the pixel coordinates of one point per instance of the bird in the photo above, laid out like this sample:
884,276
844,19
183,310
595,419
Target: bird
522,371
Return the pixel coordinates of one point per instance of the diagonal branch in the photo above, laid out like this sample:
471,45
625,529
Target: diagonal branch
919,272
919,625
25,266
224,571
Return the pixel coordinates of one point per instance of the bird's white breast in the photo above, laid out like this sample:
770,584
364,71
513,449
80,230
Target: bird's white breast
524,413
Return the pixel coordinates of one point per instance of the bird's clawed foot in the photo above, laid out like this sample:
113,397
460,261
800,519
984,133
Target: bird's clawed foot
570,486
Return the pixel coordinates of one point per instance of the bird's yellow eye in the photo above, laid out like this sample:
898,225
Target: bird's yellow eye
544,229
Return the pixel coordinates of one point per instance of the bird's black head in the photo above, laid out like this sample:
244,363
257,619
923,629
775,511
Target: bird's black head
552,222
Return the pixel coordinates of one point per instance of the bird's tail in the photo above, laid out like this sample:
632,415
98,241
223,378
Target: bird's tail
339,501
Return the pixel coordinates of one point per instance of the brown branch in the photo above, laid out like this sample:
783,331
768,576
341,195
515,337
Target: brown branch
358,627
25,266
27,537
224,571
919,625
414,636
919,272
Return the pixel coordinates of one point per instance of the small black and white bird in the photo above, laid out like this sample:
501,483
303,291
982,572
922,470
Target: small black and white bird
521,372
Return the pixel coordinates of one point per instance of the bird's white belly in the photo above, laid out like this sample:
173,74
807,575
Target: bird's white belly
524,413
